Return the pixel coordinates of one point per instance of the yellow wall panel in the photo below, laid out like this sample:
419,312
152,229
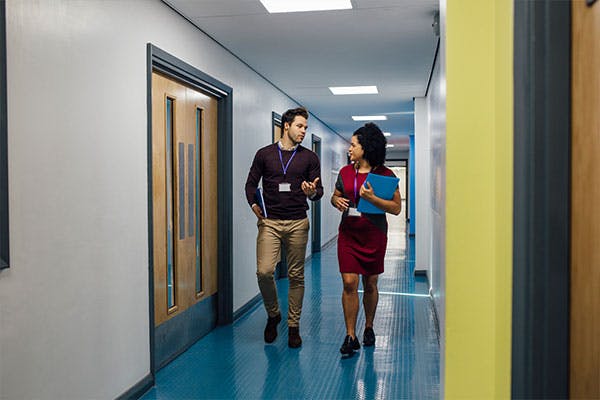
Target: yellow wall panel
478,198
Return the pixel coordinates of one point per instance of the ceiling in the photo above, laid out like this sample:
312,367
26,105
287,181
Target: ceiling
387,43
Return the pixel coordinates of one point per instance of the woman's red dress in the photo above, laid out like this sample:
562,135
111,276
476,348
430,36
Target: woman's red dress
362,240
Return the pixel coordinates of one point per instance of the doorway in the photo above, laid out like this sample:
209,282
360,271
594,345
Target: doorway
184,131
400,168
189,153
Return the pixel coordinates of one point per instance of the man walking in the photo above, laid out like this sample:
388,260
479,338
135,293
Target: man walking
290,174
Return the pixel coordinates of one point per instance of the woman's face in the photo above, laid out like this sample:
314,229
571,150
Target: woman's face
355,151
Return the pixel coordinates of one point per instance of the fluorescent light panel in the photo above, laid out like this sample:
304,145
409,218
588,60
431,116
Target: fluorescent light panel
283,6
369,117
342,90
401,113
389,145
387,134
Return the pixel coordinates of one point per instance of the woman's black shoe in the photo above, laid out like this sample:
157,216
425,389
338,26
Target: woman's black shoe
369,337
349,346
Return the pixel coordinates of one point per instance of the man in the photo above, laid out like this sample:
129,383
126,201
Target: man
290,174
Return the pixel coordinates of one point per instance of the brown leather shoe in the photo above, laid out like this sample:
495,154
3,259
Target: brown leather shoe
271,328
294,339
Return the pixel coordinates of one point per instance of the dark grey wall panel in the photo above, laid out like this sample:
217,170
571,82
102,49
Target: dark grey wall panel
540,348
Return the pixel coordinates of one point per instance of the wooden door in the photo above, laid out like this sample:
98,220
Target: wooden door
585,202
184,217
277,132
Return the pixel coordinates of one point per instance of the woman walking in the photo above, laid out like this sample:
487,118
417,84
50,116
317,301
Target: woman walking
362,238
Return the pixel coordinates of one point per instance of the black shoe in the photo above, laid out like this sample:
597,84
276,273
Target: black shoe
271,328
294,339
349,346
369,337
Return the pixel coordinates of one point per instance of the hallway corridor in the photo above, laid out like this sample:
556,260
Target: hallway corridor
233,362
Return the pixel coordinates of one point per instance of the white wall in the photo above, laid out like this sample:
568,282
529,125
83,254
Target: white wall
422,188
74,304
436,103
430,136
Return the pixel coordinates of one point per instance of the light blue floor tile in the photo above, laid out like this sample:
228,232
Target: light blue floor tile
233,362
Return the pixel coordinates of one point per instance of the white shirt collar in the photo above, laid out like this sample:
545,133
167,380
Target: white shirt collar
282,148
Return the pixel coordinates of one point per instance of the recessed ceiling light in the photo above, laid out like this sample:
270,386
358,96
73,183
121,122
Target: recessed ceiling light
387,134
342,90
389,145
401,113
369,117
282,6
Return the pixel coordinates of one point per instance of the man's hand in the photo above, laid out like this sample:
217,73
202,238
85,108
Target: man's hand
258,211
310,188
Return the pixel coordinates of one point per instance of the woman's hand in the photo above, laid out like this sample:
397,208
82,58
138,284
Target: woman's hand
366,192
393,206
340,202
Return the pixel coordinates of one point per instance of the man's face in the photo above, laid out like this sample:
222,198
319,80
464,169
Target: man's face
297,129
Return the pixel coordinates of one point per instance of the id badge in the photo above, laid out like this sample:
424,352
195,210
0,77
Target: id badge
285,187
353,212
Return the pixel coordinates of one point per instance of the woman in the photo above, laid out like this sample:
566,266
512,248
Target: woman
362,238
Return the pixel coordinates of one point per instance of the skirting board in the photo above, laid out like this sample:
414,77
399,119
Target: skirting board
138,390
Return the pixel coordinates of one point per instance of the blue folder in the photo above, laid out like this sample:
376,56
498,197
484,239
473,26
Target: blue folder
260,200
384,187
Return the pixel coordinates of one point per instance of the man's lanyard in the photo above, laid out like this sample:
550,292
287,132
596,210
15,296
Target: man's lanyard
285,167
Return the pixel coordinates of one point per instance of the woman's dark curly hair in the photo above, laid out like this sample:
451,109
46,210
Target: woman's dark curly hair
373,143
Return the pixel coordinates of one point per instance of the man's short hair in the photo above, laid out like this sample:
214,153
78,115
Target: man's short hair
290,114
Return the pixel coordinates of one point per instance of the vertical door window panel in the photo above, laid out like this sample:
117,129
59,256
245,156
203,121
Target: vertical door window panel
181,186
198,203
191,175
169,189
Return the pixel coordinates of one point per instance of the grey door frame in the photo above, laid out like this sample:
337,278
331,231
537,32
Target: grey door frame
541,221
4,240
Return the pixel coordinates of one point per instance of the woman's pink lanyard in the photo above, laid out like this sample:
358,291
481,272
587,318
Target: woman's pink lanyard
356,186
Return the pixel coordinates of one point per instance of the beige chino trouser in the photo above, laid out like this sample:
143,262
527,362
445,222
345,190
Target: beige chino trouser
294,235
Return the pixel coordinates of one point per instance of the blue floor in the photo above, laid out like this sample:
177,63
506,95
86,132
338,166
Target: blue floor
233,362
